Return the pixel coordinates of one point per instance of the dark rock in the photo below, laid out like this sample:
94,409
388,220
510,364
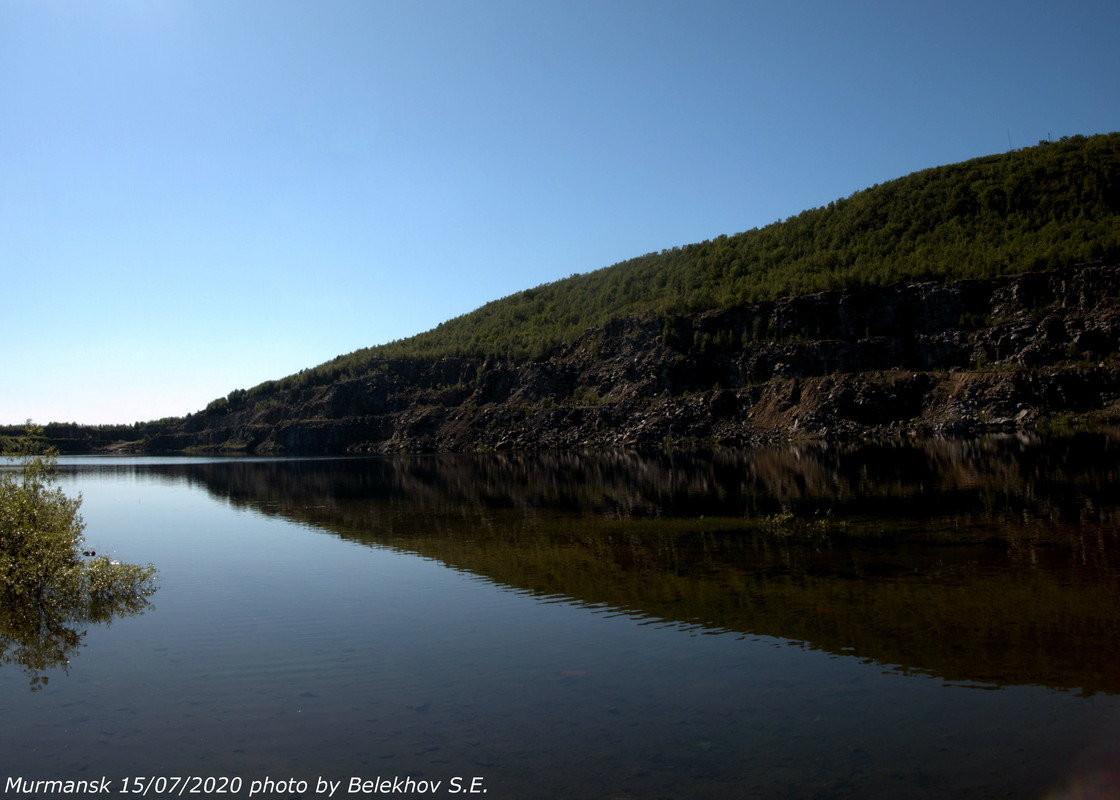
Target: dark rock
908,359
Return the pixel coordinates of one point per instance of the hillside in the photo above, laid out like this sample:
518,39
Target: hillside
908,359
961,298
1043,207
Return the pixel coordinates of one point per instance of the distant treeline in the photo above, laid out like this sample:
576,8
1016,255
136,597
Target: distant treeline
1033,209
70,437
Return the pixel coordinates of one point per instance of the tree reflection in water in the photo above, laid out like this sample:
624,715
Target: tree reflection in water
40,635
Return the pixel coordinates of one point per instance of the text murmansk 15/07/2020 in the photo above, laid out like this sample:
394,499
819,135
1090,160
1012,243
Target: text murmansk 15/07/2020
177,786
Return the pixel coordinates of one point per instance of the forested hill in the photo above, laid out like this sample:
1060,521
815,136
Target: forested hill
1027,210
959,298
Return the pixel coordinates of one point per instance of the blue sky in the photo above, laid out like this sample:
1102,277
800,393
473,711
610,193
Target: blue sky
200,195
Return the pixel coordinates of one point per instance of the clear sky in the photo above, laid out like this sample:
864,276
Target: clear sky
201,195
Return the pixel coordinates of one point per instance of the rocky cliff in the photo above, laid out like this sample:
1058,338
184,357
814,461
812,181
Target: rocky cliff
908,359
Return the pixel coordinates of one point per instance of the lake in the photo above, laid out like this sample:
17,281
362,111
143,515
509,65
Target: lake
923,620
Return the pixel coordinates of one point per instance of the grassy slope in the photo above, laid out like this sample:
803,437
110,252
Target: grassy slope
1031,209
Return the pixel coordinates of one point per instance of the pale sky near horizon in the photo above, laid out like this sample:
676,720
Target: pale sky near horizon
201,195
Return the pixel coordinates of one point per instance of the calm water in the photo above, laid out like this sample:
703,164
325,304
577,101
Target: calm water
925,621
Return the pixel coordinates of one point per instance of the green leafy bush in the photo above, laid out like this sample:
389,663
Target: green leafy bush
49,589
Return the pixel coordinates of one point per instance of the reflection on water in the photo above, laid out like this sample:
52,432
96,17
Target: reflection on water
41,635
990,562
802,621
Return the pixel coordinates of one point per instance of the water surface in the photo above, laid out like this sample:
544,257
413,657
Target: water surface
926,620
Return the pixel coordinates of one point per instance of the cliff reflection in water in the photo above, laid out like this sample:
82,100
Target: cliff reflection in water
989,562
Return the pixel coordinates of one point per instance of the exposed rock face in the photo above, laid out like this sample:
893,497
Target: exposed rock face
916,358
